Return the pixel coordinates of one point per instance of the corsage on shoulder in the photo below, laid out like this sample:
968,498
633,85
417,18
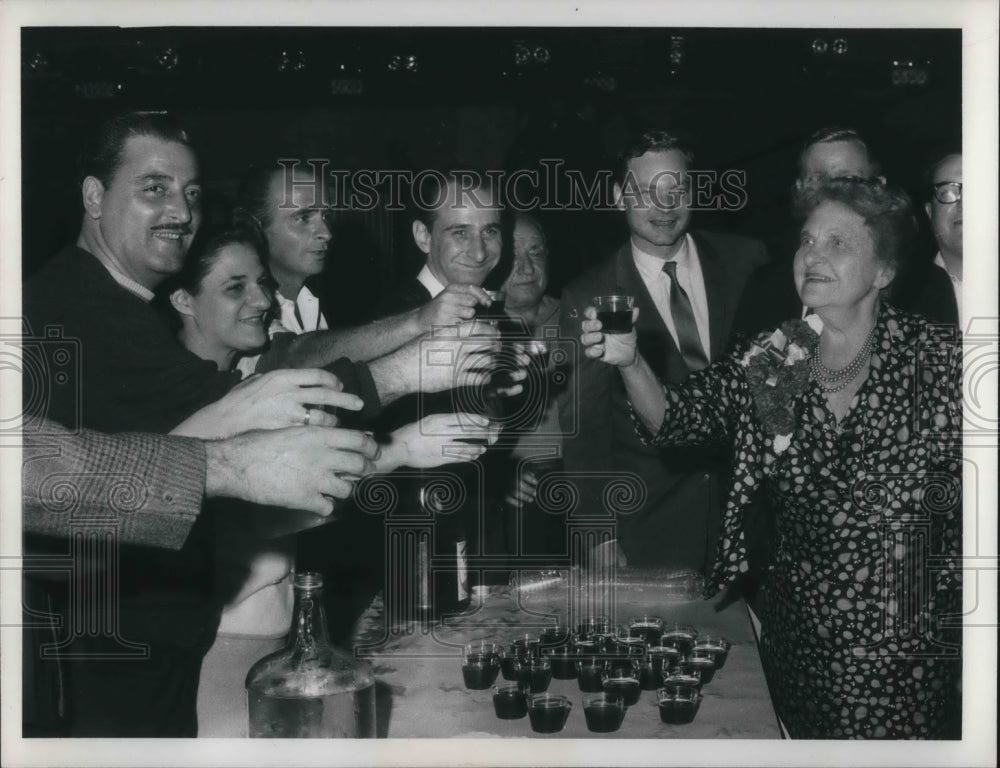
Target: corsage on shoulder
777,370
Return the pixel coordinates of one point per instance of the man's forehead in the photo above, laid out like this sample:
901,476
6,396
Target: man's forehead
836,156
477,205
658,165
151,155
949,169
297,190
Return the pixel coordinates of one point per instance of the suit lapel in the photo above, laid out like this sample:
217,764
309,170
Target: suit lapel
719,309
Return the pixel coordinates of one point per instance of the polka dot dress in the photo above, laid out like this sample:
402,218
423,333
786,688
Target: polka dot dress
856,639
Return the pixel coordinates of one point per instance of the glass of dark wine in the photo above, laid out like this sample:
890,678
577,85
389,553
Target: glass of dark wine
615,313
494,312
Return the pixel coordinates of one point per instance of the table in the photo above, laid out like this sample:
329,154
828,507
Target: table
421,692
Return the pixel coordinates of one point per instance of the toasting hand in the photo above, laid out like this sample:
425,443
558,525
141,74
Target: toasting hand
613,348
443,438
455,304
271,401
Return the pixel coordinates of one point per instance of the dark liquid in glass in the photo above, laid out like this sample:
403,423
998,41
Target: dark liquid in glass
626,688
510,705
603,717
548,716
615,320
719,653
495,310
563,664
590,678
536,676
507,664
677,711
479,671
649,676
703,667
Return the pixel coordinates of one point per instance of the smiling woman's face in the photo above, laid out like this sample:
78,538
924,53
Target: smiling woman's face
227,315
836,266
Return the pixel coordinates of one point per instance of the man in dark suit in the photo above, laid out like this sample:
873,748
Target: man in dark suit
934,287
687,286
457,226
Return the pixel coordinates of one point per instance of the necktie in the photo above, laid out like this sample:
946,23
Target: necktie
687,329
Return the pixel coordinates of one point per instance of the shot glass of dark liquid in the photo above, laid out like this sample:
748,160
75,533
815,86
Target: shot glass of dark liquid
717,646
604,712
678,703
510,701
649,675
624,685
615,313
679,636
483,648
590,674
525,645
701,661
664,660
649,628
480,671
534,672
554,637
548,712
494,312
562,660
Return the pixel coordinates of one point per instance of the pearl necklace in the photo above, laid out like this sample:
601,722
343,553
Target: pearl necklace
834,381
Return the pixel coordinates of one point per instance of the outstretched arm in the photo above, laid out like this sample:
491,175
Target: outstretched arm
694,413
455,304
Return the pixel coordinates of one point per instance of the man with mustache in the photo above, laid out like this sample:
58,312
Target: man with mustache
686,285
141,194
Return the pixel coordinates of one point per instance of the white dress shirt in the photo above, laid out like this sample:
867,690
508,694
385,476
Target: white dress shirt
956,285
427,280
287,322
691,280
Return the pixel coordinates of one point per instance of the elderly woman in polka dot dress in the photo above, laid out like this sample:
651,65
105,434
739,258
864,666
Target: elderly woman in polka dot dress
850,420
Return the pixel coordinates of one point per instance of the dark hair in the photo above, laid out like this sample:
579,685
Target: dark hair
227,228
886,210
429,189
833,133
931,167
650,141
102,157
254,193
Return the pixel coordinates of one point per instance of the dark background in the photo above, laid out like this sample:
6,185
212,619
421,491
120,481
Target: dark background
495,98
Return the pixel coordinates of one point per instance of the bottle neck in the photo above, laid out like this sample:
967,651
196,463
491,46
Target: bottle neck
308,628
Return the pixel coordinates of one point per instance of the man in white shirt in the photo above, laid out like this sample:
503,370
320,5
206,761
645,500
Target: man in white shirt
287,201
686,285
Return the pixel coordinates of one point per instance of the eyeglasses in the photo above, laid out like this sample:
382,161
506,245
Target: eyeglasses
947,192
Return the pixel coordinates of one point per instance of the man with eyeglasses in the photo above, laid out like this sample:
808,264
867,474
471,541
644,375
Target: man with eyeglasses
935,289
831,152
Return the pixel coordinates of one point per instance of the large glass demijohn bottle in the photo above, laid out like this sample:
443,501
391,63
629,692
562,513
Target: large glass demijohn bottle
310,689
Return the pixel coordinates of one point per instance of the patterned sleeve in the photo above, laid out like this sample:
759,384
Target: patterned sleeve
151,486
703,409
